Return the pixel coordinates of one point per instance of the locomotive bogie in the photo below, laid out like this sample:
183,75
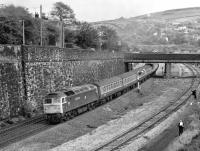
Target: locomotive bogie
54,118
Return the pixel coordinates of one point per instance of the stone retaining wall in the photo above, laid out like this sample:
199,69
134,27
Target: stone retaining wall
11,83
49,69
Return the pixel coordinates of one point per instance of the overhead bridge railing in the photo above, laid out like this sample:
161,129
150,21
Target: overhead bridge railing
159,58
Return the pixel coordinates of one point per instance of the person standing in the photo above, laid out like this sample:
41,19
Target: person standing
180,127
194,93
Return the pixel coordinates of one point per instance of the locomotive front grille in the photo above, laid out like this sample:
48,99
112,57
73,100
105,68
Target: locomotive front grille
52,109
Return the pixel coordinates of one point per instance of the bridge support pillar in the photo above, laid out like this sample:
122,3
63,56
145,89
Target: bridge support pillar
167,72
128,66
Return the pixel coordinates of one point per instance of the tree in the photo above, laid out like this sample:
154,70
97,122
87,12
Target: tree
11,25
63,12
87,36
109,38
12,30
70,36
50,33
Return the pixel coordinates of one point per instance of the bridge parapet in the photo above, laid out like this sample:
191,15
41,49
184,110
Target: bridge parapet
161,58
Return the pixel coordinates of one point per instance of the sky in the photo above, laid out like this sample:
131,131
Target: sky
98,10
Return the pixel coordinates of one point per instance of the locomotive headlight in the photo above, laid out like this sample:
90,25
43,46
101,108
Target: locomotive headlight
46,108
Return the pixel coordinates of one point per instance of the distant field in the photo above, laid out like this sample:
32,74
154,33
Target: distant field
152,29
173,14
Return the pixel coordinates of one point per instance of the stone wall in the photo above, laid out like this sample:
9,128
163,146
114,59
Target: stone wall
11,83
28,73
49,69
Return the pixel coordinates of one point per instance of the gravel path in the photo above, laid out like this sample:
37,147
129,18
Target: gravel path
158,138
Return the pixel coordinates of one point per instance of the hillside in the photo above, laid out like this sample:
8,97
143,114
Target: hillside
172,27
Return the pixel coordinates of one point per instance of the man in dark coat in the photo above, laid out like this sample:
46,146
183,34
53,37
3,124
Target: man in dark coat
194,93
180,127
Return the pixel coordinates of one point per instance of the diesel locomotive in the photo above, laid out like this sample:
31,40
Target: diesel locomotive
65,104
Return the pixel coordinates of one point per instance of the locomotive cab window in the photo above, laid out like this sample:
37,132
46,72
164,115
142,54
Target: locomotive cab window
47,101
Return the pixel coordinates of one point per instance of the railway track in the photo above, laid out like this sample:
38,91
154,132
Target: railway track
22,130
133,133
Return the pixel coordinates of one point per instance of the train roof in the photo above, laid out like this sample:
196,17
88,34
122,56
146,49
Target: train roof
71,91
127,74
78,89
57,94
108,80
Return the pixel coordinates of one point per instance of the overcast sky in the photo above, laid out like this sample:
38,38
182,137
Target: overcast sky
97,10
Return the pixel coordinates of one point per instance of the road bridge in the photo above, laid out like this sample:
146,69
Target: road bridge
160,58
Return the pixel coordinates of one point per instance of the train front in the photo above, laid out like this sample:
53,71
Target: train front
53,107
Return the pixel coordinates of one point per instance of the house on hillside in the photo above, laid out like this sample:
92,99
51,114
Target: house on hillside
196,37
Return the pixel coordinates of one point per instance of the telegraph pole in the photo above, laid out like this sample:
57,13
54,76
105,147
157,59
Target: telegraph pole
62,34
23,32
40,25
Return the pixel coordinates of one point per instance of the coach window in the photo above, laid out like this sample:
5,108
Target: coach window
82,89
91,87
104,88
